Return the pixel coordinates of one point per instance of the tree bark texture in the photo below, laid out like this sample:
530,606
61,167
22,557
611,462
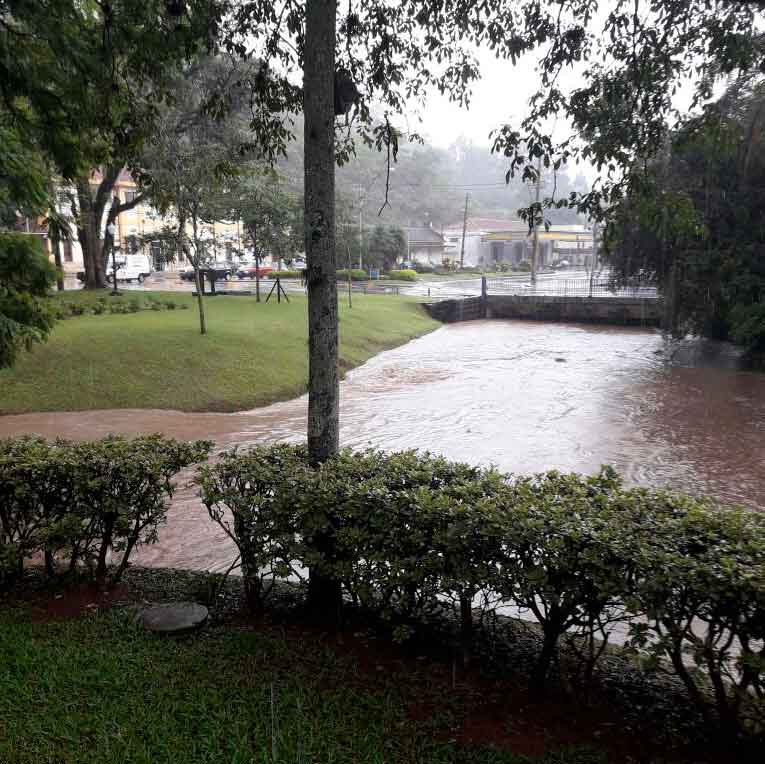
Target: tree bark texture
92,202
318,106
324,592
88,223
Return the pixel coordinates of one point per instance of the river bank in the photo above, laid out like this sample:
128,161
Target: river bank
524,396
155,358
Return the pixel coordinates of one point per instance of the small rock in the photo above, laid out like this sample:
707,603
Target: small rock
173,617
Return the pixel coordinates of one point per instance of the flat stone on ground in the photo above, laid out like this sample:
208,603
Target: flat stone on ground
173,617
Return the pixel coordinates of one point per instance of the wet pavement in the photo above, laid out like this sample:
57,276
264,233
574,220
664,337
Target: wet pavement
524,396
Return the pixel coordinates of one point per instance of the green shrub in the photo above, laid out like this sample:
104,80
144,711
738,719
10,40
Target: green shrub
407,535
248,494
26,275
80,503
405,275
134,306
99,307
286,274
524,266
697,599
748,326
357,274
562,566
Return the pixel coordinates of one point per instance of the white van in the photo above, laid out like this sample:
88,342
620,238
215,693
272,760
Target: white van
130,268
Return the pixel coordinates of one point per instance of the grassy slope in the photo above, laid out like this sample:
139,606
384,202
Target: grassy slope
254,354
99,690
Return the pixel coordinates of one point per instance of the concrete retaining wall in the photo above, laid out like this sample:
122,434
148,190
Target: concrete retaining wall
622,311
449,311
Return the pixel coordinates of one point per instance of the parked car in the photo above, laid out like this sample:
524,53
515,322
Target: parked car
251,271
222,271
130,268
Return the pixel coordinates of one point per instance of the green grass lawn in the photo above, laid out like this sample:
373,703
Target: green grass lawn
98,689
254,354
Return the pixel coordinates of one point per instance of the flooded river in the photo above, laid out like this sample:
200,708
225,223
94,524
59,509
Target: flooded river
523,396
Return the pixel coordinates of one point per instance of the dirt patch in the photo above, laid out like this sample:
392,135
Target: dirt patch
61,601
471,709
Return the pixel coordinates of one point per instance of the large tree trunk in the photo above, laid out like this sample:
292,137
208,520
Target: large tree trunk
88,220
323,390
318,105
92,205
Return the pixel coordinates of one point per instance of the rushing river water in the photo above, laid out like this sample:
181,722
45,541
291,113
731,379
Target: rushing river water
523,396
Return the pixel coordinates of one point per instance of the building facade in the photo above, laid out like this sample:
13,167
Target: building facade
134,229
493,241
477,253
424,245
571,245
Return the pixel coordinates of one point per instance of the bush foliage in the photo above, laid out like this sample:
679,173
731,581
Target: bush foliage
285,274
25,277
357,274
413,534
100,305
85,504
403,275
409,536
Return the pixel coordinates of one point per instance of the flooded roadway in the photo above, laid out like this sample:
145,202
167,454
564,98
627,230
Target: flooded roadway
523,396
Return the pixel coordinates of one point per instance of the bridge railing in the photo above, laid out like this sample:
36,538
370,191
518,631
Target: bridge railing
579,287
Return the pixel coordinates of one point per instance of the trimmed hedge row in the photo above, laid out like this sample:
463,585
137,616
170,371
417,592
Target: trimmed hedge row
357,274
82,504
403,275
63,309
407,535
412,534
285,274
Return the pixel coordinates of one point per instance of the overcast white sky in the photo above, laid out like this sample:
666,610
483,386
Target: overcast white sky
499,97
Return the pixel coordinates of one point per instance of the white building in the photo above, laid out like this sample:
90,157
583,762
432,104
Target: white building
477,254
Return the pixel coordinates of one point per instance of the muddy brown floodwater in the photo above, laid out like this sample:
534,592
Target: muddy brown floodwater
524,396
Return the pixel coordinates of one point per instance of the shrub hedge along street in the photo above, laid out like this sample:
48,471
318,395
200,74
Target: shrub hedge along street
413,534
83,504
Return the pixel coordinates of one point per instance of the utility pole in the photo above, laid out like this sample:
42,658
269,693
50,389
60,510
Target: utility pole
464,228
594,259
361,232
535,249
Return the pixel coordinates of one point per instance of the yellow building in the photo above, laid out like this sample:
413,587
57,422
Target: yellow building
135,226
224,239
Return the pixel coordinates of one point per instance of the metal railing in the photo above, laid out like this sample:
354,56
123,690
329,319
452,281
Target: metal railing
580,287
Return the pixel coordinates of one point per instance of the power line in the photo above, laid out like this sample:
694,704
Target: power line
452,185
